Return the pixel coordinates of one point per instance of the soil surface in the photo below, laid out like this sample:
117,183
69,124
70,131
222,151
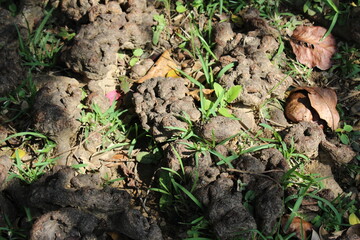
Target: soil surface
110,195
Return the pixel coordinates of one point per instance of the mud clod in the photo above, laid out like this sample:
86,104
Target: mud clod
254,71
264,172
56,111
77,206
94,52
159,102
306,137
220,128
67,223
225,211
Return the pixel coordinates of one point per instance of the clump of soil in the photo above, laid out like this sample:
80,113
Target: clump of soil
160,102
237,194
111,27
56,111
78,206
260,78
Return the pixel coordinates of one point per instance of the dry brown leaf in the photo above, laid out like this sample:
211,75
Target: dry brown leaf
298,107
161,67
195,93
301,227
310,49
313,104
324,100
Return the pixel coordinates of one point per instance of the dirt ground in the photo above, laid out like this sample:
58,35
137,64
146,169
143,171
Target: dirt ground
89,202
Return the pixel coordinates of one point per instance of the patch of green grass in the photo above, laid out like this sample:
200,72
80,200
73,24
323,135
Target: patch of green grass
40,161
9,232
336,13
109,125
41,47
332,213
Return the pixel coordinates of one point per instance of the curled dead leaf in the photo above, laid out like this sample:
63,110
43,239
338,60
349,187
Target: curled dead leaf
161,67
313,104
299,226
309,47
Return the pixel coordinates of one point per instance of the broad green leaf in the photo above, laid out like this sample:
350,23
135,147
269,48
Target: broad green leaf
344,139
348,128
133,61
218,89
138,52
311,12
306,6
232,93
180,8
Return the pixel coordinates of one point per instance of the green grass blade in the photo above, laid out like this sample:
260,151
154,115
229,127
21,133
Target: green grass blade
257,148
39,30
224,70
293,212
24,134
331,206
332,25
189,194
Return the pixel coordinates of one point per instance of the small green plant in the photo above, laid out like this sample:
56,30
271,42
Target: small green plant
344,133
157,30
10,232
41,47
41,160
167,5
332,213
180,8
136,55
336,13
185,133
224,98
198,229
